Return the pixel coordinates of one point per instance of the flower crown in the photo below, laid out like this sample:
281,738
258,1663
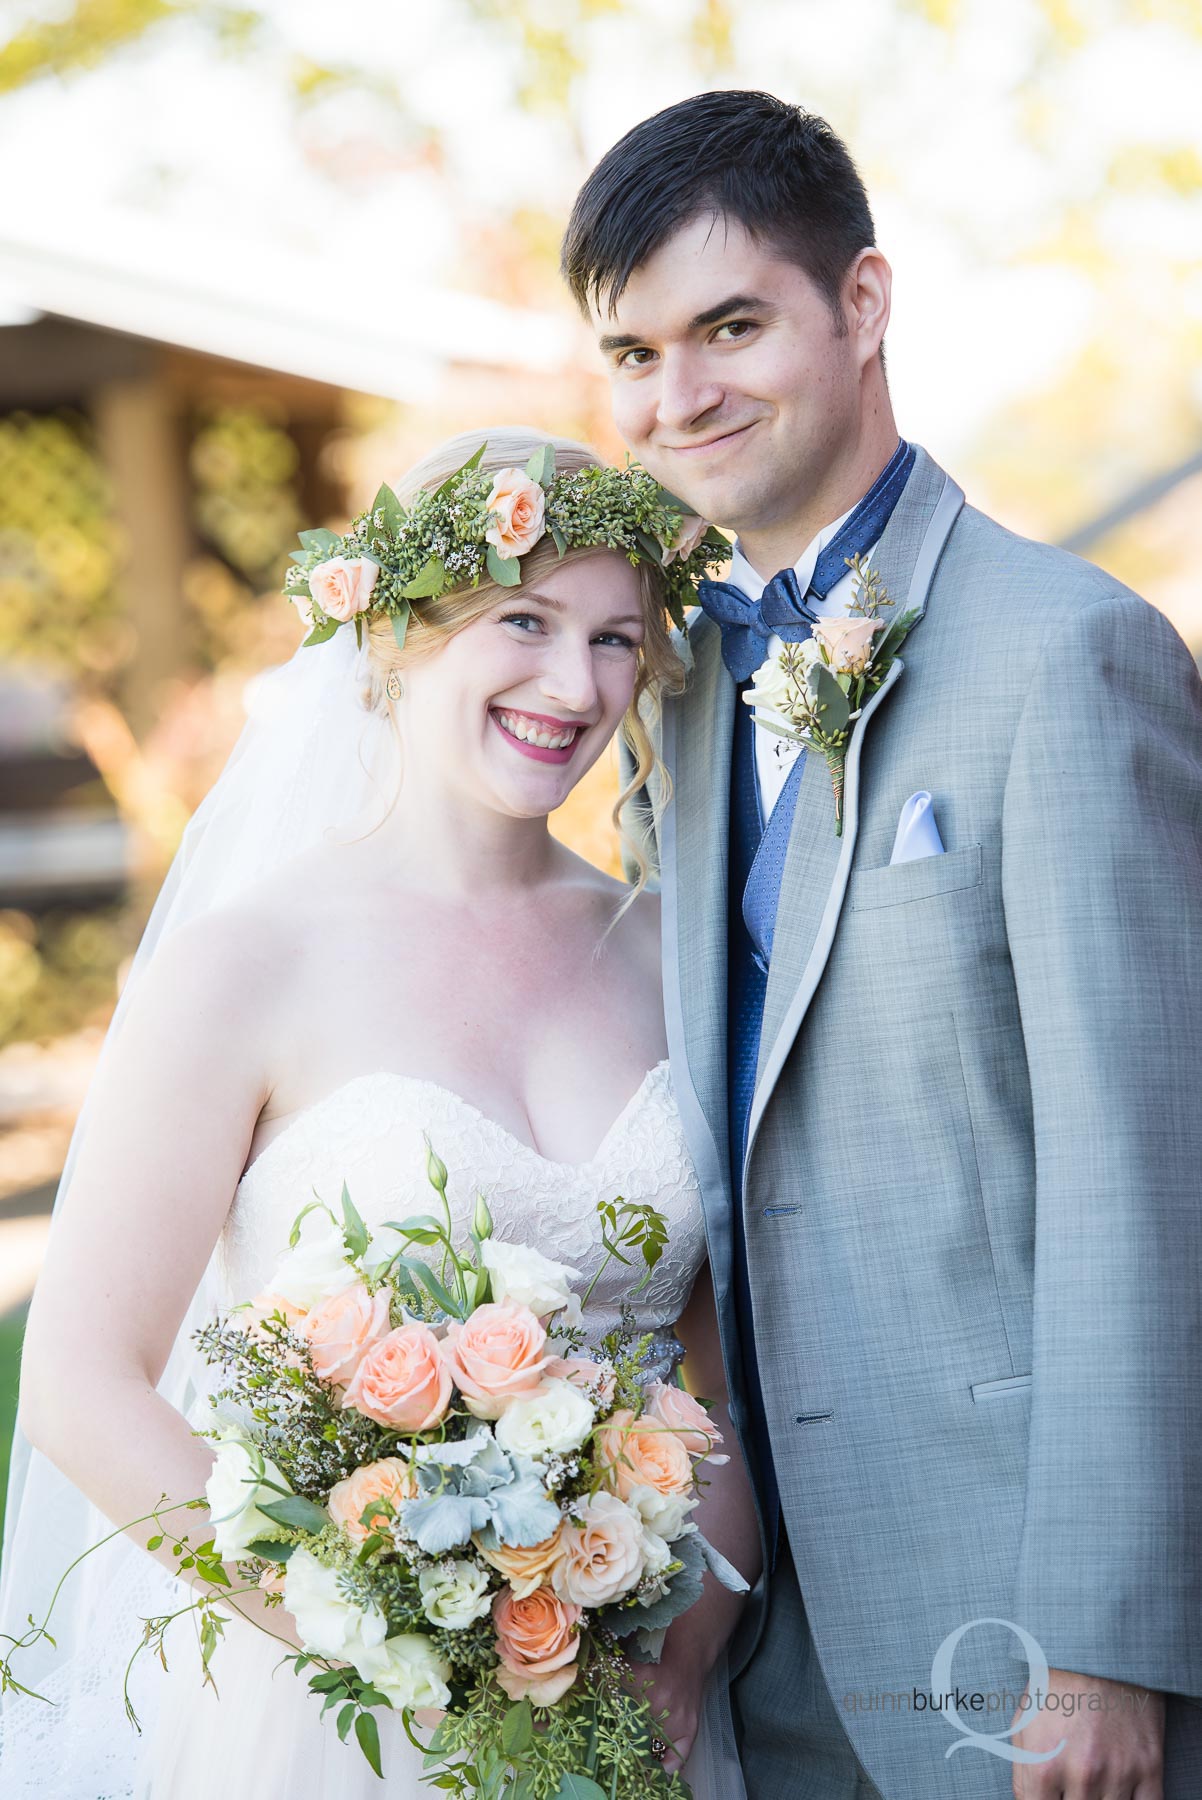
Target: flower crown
482,522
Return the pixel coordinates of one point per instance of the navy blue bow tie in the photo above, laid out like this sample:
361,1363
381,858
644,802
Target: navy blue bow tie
782,609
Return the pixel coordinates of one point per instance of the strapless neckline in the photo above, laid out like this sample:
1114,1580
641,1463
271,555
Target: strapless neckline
306,1113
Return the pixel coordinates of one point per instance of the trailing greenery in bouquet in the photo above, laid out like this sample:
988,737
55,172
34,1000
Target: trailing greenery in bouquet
463,1507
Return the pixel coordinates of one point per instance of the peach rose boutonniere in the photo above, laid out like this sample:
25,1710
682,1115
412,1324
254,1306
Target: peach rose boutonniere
815,690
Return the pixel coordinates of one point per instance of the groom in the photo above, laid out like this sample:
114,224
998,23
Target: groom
940,1071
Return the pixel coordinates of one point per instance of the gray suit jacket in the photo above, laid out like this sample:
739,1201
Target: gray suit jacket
972,1183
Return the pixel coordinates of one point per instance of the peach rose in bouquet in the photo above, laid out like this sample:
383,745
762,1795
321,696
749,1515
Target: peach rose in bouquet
640,1453
341,1330
537,1641
603,1551
403,1381
677,1409
495,1356
390,1479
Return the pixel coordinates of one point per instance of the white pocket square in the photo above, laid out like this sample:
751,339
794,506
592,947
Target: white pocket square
917,832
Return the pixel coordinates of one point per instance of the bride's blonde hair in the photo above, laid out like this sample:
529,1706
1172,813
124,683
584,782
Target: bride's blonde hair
660,670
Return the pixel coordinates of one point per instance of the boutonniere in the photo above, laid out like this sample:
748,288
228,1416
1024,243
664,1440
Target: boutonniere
814,691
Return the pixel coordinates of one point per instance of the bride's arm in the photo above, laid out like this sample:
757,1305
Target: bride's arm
726,1516
171,1117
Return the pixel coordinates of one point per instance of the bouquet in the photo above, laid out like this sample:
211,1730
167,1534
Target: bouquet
463,1508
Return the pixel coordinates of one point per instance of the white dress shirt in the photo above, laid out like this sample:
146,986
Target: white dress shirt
775,756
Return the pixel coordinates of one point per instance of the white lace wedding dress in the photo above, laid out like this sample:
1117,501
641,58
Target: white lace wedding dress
263,1737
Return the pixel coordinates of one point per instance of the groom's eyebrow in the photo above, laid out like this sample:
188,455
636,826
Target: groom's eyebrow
734,303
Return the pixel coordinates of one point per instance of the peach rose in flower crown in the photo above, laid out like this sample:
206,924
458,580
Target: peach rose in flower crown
848,642
391,1479
341,1330
537,1641
603,1551
342,585
640,1453
403,1381
495,1356
518,506
692,530
526,1569
678,1410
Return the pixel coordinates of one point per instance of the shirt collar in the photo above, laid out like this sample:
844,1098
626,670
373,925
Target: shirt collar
744,577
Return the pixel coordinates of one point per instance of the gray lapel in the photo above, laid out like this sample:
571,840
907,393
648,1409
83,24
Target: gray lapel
697,734
818,863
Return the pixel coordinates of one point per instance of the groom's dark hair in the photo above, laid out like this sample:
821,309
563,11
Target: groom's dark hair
781,172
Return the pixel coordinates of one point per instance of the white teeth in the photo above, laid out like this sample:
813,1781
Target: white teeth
528,732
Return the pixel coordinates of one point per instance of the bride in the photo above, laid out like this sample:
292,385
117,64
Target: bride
369,933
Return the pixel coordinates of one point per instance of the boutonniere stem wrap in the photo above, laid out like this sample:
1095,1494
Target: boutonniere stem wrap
814,691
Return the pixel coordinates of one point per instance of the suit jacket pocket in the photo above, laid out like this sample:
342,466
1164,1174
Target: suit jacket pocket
896,883
993,1390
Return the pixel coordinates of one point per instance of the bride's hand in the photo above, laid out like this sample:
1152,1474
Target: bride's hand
675,1686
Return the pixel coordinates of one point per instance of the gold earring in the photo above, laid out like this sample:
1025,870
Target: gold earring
393,686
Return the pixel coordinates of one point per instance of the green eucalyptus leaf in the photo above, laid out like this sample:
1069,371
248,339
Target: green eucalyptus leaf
560,541
428,583
578,1787
354,1231
387,503
320,634
830,702
367,1734
296,1511
319,538
437,1292
506,571
675,504
400,625
651,547
269,1550
541,467
517,1729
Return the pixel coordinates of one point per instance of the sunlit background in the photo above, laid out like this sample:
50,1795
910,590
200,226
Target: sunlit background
254,259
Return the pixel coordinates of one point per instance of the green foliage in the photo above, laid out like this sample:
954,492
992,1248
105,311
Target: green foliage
83,37
59,548
58,970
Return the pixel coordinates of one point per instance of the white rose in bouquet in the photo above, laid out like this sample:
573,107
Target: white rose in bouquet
455,1593
552,1422
317,1267
525,1277
665,1515
408,1671
233,1491
328,1623
657,1556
